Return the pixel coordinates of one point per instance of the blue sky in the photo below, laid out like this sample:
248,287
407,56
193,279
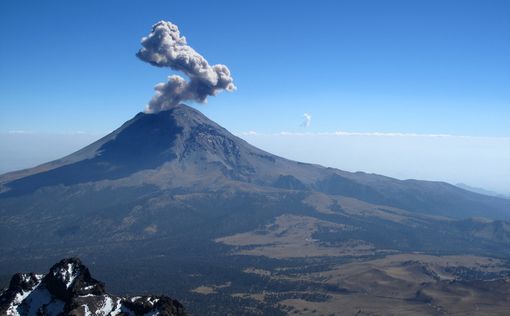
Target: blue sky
422,67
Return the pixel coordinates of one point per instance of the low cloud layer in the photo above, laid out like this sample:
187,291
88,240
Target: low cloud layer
165,47
369,134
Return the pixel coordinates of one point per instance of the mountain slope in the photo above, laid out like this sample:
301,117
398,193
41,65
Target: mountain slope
177,195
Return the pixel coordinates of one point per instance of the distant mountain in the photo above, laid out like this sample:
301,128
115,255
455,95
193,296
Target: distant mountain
69,289
481,190
174,194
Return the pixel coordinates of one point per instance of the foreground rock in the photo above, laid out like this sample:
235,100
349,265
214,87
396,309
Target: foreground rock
69,289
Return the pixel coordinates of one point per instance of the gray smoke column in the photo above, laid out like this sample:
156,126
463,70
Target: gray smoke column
165,47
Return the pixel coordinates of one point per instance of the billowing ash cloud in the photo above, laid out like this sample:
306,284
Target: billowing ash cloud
165,47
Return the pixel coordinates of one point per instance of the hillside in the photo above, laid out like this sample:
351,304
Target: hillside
174,194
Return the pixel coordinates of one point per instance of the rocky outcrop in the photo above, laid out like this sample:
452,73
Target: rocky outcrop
69,290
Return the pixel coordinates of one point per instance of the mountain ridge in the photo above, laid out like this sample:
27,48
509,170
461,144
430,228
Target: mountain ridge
68,289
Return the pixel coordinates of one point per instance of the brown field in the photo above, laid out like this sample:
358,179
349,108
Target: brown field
403,284
290,236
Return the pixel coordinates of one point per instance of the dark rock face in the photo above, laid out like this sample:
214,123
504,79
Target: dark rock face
70,278
20,283
69,290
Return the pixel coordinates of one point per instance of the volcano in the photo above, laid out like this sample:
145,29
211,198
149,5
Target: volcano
176,193
182,149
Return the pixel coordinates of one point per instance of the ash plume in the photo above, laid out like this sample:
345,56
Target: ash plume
165,47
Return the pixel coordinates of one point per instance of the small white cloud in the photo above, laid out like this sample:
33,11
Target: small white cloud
307,120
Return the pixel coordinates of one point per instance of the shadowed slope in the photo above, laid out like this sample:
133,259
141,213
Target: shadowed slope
141,143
